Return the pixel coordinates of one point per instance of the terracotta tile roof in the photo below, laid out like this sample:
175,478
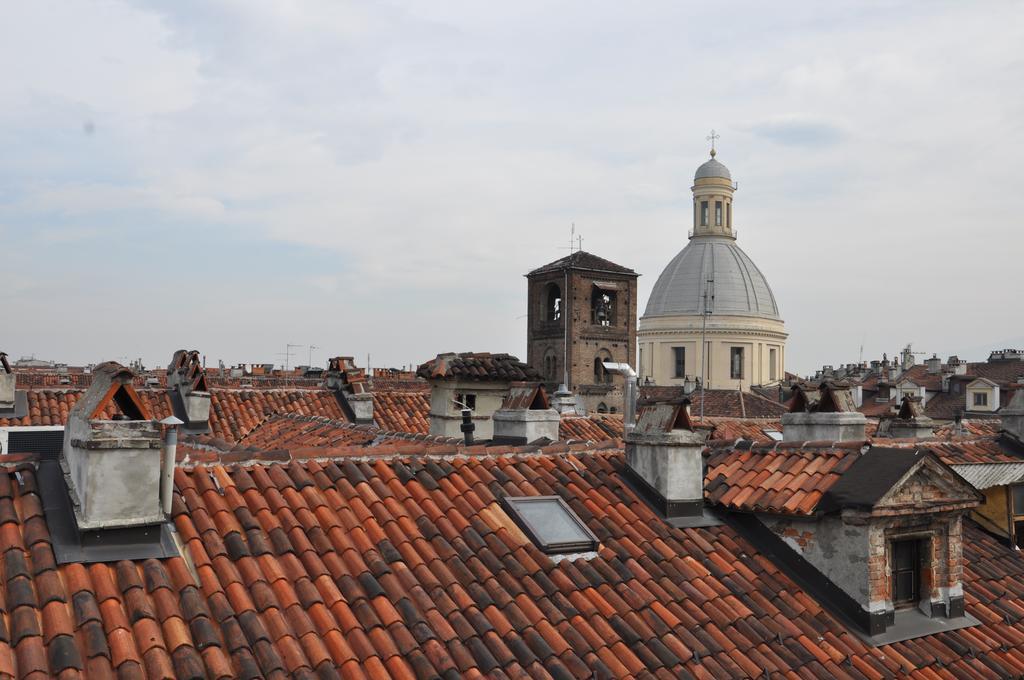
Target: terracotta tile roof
596,427
972,428
408,568
720,403
482,366
984,450
292,431
749,429
233,413
402,411
787,478
583,260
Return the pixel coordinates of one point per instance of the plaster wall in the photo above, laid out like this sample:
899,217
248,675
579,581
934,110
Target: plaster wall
7,381
806,427
446,417
675,472
529,425
657,336
837,550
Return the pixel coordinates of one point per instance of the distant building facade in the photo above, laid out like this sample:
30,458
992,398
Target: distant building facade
745,339
582,313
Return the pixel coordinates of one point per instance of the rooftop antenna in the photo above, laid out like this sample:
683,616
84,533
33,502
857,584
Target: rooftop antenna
709,303
311,348
288,354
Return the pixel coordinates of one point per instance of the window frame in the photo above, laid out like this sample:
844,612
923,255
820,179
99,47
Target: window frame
467,398
678,362
718,213
980,398
508,504
704,209
914,572
733,373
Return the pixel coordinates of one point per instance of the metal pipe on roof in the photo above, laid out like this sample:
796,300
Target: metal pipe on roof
629,418
170,452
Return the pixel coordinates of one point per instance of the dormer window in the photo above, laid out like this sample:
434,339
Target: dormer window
981,398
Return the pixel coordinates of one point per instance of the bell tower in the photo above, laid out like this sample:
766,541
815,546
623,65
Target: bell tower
582,313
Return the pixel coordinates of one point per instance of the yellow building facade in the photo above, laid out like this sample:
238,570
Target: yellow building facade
711,312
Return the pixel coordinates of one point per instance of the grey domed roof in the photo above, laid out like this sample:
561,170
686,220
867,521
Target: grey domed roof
712,168
740,288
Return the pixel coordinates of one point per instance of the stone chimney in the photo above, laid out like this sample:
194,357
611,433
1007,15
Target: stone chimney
664,455
1013,415
827,413
190,395
957,366
934,364
349,386
7,380
112,467
911,422
526,416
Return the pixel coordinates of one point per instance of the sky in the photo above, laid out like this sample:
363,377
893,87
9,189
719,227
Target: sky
235,176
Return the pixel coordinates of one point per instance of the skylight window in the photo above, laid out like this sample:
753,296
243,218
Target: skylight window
774,435
551,524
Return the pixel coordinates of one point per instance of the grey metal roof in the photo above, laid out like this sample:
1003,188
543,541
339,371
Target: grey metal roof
712,168
986,475
740,288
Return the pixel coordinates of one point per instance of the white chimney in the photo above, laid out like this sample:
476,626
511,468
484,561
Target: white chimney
7,380
112,467
526,416
826,414
186,379
933,364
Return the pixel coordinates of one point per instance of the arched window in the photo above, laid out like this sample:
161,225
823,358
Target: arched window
552,302
551,365
602,306
602,407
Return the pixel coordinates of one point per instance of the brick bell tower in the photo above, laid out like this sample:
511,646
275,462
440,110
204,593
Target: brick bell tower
582,312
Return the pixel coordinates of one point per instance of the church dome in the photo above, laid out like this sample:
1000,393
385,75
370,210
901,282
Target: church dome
712,168
739,286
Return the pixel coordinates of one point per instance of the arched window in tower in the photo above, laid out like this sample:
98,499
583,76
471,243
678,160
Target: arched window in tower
703,213
602,305
553,302
551,365
718,213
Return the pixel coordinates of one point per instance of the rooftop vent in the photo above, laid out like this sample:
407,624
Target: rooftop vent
190,396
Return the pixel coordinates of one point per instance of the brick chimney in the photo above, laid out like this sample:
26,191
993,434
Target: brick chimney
112,467
664,455
190,395
828,413
526,416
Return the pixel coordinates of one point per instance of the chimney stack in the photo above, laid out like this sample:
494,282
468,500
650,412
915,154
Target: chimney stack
934,364
664,455
112,467
190,395
349,386
827,413
526,416
7,380
911,422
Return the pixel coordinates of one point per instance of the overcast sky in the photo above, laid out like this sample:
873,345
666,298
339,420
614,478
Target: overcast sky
233,176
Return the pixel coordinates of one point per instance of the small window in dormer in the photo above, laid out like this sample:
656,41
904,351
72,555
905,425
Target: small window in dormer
467,400
551,524
981,399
